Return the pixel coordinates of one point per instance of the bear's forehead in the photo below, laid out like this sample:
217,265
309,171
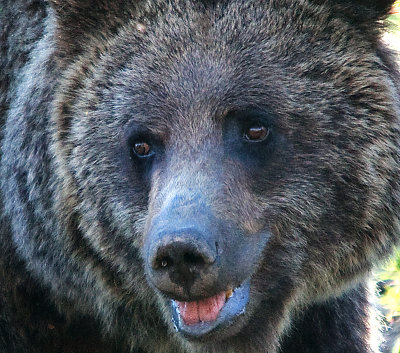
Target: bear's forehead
187,47
198,86
187,70
209,60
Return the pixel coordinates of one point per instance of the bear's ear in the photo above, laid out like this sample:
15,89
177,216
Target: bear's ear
360,11
80,20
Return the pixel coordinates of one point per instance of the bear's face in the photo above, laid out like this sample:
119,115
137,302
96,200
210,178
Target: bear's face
229,162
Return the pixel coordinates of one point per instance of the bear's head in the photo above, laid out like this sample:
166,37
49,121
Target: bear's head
231,161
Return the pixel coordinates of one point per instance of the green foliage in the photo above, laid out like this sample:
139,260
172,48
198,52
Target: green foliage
393,23
390,300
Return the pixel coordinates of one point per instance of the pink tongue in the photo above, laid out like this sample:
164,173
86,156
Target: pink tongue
205,310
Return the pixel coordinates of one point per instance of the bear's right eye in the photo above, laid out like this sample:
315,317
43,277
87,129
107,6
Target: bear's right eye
256,134
142,149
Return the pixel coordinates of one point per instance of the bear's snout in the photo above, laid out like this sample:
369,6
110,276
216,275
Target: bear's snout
181,259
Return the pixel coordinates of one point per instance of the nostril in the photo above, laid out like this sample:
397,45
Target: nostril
177,257
174,254
163,262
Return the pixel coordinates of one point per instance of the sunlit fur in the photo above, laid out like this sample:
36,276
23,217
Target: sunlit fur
78,76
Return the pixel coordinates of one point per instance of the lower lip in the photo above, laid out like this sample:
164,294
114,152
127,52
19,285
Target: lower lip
233,308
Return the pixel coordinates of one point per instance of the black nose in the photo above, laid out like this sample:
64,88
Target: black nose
179,253
179,259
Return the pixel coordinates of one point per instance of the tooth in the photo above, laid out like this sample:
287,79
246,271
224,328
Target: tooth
229,293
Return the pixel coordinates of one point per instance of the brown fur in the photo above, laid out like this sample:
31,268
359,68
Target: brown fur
303,216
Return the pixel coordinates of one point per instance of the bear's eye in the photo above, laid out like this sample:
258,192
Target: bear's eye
142,149
256,133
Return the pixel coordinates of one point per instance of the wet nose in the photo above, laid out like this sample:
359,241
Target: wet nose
179,259
181,252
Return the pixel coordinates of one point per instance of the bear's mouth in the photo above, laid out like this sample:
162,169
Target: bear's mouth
198,318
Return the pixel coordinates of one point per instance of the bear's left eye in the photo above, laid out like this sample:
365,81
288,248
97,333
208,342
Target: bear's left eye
142,149
256,133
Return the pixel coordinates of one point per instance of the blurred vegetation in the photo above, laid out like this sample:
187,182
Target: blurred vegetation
391,291
389,287
394,19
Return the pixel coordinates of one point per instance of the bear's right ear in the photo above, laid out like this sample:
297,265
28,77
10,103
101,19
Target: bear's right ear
78,20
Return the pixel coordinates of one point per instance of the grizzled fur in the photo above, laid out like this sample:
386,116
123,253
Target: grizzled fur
319,200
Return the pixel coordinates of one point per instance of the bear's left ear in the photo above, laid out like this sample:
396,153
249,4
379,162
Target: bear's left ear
78,21
361,11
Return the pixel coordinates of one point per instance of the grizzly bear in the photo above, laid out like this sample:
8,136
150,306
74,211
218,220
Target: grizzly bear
195,176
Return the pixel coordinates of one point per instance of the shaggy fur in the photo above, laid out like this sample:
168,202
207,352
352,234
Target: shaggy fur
303,215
